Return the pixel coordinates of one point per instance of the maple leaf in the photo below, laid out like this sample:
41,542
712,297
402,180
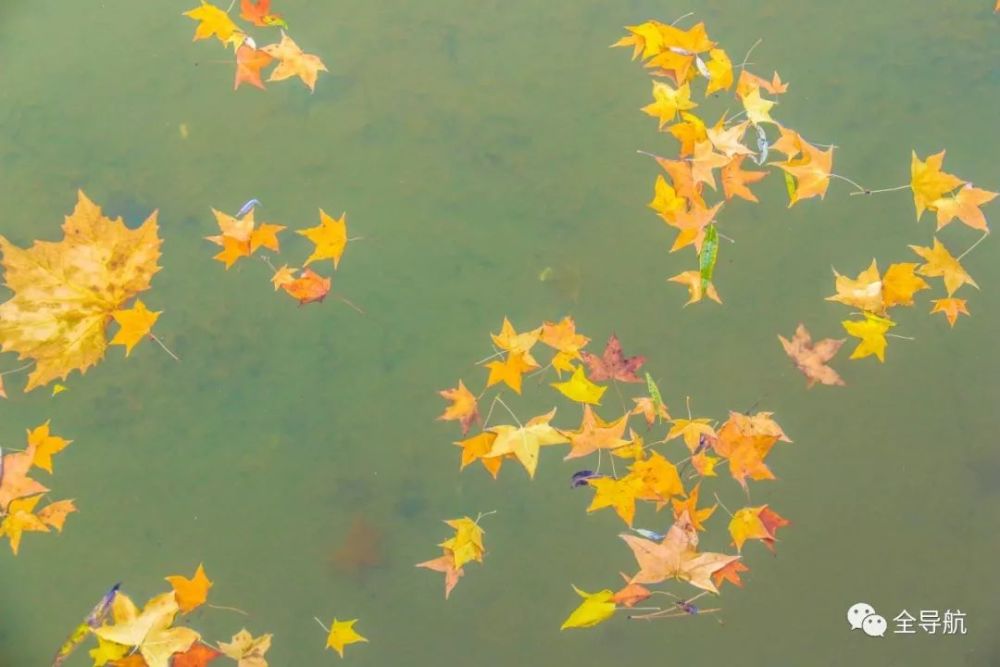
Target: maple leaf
666,201
683,182
198,655
258,13
689,132
309,287
790,142
928,182
689,508
811,358
746,525
329,238
871,331
19,518
517,343
757,108
241,237
578,388
951,307
668,101
249,62
595,433
670,63
282,277
613,364
43,445
811,172
135,323
619,494
212,21
565,340
900,283
691,430
467,543
693,40
525,441
190,593
509,371
149,630
54,514
595,608
748,82
446,565
650,409
728,142
730,573
659,477
630,595
61,328
646,40
938,263
735,180
294,62
692,280
463,406
14,482
111,653
478,448
720,71
693,224
964,205
676,557
864,292
772,522
342,633
704,161
247,650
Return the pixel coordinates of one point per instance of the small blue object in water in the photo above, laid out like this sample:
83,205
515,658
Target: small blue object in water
246,208
650,534
582,478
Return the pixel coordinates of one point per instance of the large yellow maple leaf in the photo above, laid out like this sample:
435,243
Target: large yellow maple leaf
66,291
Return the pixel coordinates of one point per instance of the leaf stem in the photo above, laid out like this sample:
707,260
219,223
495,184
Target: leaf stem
866,191
325,629
862,190
957,259
32,363
153,337
747,56
225,608
679,18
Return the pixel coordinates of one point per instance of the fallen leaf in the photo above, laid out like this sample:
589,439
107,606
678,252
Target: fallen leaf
249,62
309,287
900,283
735,180
329,238
43,445
20,518
928,182
595,433
864,292
595,608
190,593
294,62
247,650
463,406
692,280
342,633
871,331
811,358
938,263
212,21
149,630
965,206
951,307
613,364
668,101
198,655
63,329
446,565
578,388
135,323
525,441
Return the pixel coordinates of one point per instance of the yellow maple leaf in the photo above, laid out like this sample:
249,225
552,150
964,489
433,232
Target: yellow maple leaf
871,331
668,101
900,283
212,21
190,593
62,328
20,517
746,525
341,634
467,543
44,445
691,430
525,441
928,182
940,263
964,205
720,70
811,172
578,388
619,494
509,371
696,291
149,631
758,109
864,292
689,131
135,324
282,277
329,238
595,608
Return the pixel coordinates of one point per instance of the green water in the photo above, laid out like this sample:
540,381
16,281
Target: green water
473,145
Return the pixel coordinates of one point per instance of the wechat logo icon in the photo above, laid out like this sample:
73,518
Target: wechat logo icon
862,616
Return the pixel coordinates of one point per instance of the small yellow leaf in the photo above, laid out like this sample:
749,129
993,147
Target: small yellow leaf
578,388
595,608
341,634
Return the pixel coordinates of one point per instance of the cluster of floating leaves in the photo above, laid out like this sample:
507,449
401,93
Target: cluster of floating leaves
126,636
241,236
666,462
250,60
674,57
20,494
